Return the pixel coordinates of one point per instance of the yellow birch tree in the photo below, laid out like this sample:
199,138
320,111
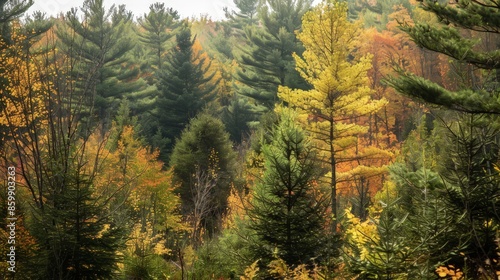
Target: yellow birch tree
340,97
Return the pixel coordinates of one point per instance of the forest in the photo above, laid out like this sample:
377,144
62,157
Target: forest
340,139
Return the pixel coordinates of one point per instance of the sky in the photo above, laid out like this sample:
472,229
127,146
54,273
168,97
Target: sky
186,8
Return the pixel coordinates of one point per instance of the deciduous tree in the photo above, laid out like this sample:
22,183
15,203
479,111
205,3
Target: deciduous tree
340,94
69,220
203,162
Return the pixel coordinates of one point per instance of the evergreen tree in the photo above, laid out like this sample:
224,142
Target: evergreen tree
420,196
246,14
267,60
99,44
446,215
122,120
35,26
185,87
231,31
72,224
286,214
78,238
467,162
204,150
238,118
384,253
472,183
238,112
9,11
406,225
460,21
375,13
158,25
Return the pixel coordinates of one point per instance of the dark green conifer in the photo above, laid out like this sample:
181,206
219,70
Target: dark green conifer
158,24
472,180
9,11
185,86
287,216
77,236
266,59
99,45
453,37
245,15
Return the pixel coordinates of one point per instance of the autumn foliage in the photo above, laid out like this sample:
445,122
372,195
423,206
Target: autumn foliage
294,139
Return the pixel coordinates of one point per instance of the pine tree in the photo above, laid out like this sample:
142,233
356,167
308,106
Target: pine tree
76,235
185,88
446,190
122,120
238,112
231,31
99,44
238,117
245,16
472,183
375,13
267,60
460,22
9,11
467,169
383,247
428,225
407,223
286,214
158,25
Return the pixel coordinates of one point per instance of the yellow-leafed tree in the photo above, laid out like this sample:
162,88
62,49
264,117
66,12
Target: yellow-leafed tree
335,109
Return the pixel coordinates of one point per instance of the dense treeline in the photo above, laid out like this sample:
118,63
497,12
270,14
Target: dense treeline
338,140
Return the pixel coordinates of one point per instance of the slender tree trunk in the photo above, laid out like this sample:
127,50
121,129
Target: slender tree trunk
181,261
333,182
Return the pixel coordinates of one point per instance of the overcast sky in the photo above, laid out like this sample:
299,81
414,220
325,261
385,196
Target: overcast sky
186,8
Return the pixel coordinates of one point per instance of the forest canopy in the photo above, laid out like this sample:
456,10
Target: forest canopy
293,139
